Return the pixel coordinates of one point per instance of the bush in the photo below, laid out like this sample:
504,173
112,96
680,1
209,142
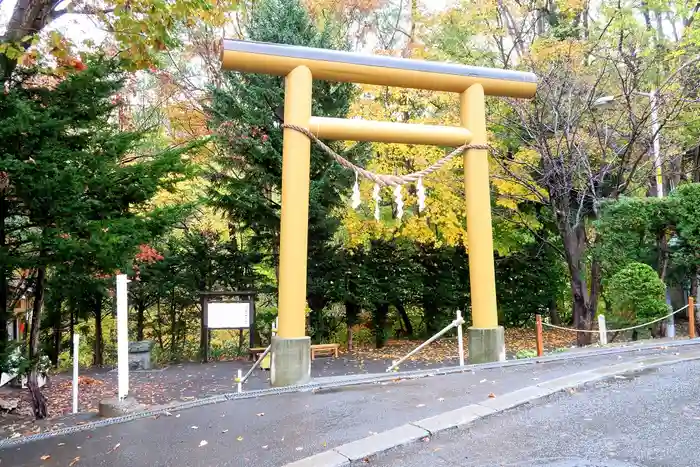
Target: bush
636,295
526,353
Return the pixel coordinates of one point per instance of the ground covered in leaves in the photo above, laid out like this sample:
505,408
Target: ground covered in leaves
188,381
445,349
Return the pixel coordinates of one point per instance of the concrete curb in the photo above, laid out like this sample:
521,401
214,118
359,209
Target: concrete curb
357,451
346,381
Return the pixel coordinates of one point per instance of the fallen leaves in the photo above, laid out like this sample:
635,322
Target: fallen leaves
446,348
74,461
492,395
45,457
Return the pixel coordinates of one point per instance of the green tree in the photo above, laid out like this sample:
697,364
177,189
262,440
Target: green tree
80,208
246,177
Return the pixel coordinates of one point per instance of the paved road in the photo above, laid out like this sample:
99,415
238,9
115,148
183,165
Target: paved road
649,419
274,430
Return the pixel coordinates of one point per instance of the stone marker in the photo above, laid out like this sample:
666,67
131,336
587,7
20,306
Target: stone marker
140,355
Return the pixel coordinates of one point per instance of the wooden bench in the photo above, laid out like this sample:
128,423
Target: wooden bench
327,349
255,352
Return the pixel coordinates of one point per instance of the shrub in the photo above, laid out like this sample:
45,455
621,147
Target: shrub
636,295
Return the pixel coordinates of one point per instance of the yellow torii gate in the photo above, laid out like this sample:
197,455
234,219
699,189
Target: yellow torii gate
300,65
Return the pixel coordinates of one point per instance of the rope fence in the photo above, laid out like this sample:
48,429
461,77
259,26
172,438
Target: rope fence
596,331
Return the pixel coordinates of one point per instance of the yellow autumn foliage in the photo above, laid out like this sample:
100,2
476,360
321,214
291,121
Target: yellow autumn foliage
443,222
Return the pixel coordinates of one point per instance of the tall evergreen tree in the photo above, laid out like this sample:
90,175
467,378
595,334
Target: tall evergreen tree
78,188
246,112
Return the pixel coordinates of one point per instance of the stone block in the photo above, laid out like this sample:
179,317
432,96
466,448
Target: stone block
111,408
140,355
487,345
290,361
453,418
371,445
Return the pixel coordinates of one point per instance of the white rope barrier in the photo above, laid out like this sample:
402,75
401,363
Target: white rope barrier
616,330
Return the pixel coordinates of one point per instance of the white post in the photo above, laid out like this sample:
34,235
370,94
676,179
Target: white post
122,337
240,382
460,344
602,329
76,351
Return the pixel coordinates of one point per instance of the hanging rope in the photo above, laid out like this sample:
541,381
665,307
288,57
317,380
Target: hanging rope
383,179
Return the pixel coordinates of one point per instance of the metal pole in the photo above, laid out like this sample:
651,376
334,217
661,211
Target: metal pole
656,148
460,344
256,364
656,145
122,337
602,330
454,323
240,382
76,351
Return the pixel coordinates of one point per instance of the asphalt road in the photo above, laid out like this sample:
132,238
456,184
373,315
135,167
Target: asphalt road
275,430
650,419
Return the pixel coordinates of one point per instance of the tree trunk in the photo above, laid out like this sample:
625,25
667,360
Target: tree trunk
56,340
38,399
203,329
404,317
98,353
380,315
319,329
140,311
584,302
72,326
159,329
4,271
694,294
554,316
352,312
173,326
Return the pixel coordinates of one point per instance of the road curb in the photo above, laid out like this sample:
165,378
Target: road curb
319,386
359,450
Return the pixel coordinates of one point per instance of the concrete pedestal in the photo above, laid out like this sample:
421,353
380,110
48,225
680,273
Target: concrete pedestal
291,361
487,345
110,408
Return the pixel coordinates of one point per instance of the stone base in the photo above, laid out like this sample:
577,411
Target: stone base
290,361
487,345
110,408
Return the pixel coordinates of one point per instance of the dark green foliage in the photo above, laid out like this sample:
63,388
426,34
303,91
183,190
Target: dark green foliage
636,295
246,179
528,282
72,210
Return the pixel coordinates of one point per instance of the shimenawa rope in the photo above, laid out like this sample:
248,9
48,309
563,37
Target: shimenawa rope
385,179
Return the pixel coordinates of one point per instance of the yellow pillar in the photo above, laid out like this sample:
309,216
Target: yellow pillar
296,155
479,232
